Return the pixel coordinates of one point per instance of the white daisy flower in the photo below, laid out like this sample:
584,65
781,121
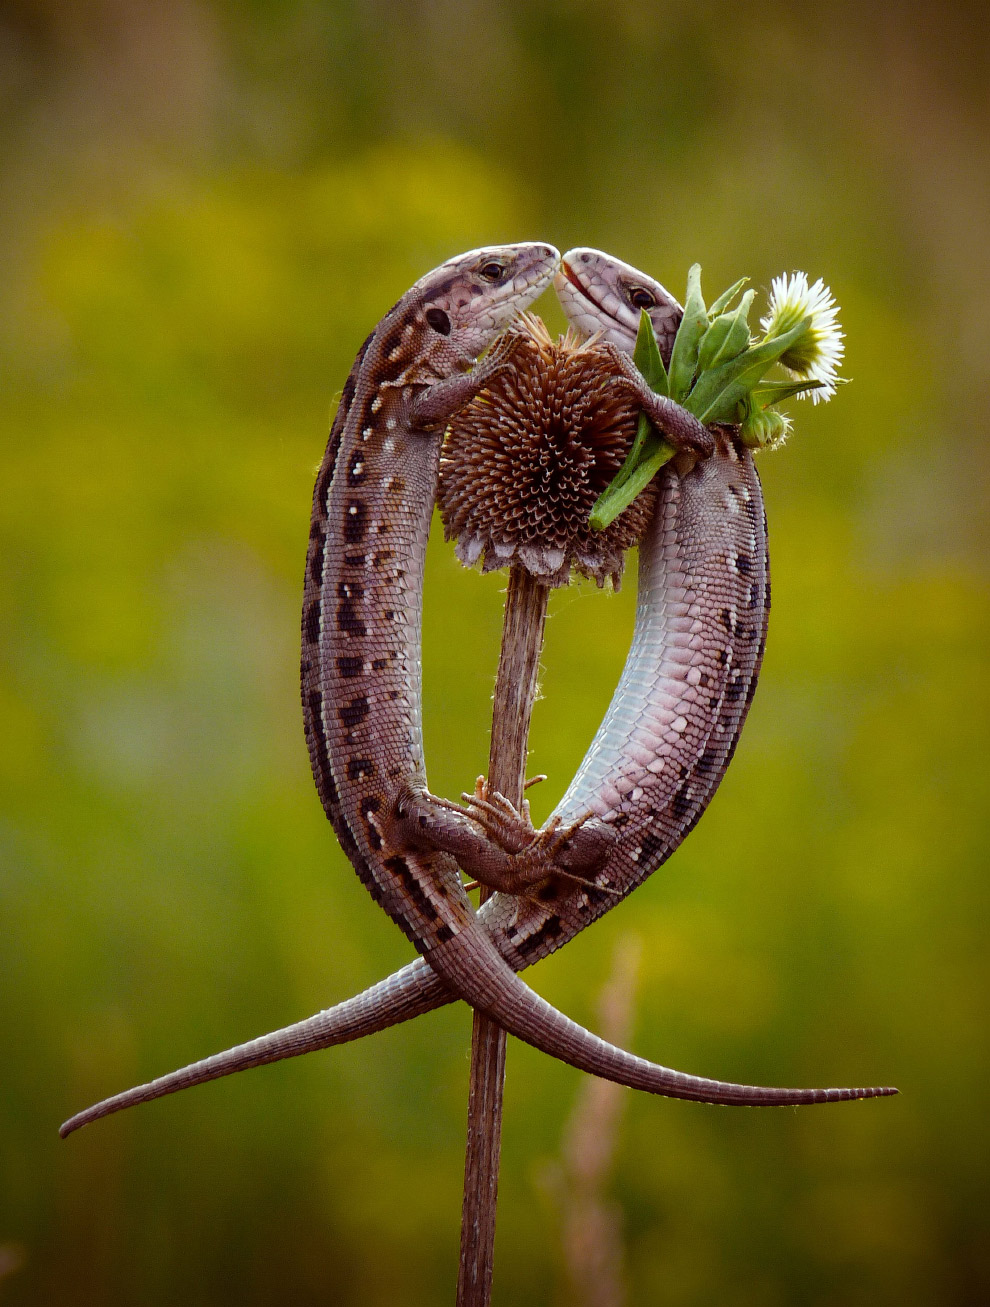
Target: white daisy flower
816,354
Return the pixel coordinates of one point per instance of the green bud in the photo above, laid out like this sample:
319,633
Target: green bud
762,428
727,337
694,324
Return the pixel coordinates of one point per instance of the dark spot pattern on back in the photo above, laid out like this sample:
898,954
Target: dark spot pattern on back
401,870
318,753
348,619
326,474
353,714
357,469
652,847
312,622
317,557
355,521
680,804
550,930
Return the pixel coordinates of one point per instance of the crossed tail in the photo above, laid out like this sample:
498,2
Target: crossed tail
496,990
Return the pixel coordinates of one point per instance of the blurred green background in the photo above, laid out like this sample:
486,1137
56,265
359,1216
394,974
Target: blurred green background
205,208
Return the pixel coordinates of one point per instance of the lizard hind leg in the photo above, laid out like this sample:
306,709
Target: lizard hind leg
496,843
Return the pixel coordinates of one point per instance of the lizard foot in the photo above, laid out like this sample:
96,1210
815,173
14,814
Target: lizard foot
498,360
497,843
509,827
536,853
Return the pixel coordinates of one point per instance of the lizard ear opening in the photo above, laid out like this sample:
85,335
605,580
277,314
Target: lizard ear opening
439,321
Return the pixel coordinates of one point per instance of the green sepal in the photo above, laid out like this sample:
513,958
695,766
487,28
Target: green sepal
650,453
694,324
726,298
718,392
777,392
646,356
727,337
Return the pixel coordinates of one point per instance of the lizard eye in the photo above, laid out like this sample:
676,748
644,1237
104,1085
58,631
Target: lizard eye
439,321
642,298
492,270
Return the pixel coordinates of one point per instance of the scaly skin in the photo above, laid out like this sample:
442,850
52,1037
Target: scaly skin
654,764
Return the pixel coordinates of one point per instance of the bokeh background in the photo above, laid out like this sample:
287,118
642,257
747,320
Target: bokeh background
205,207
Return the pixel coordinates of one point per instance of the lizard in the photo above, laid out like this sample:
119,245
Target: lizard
658,756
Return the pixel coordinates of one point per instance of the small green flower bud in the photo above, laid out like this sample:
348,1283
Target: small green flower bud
763,428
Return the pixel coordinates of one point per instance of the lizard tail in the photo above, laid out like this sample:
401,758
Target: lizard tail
406,994
488,983
417,989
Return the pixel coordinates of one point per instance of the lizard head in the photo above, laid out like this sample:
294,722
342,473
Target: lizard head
465,303
600,293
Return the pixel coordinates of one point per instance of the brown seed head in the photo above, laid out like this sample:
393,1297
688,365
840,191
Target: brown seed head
524,462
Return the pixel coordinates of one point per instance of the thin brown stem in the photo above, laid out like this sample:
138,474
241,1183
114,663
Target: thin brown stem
515,692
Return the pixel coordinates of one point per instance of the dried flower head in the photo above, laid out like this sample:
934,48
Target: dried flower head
523,463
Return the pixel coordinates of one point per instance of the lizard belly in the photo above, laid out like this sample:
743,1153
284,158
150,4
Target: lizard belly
667,737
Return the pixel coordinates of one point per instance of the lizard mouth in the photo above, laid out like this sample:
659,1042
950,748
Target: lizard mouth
576,282
584,291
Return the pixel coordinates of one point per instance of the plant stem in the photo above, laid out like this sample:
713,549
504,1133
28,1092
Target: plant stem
515,692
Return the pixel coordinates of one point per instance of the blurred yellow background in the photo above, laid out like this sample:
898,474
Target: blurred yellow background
205,208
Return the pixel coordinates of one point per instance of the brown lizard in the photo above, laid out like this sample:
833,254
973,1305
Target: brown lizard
659,755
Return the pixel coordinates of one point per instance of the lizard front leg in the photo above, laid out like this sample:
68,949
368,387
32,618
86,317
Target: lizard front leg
681,428
433,408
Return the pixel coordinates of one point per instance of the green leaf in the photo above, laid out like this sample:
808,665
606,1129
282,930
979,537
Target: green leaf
646,356
617,495
718,391
777,392
726,298
644,431
713,340
727,337
738,338
694,324
631,480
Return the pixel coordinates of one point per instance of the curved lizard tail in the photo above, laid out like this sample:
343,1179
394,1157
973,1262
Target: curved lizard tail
418,988
406,994
498,991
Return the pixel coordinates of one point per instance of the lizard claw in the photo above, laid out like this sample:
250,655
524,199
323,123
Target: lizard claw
498,360
508,826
